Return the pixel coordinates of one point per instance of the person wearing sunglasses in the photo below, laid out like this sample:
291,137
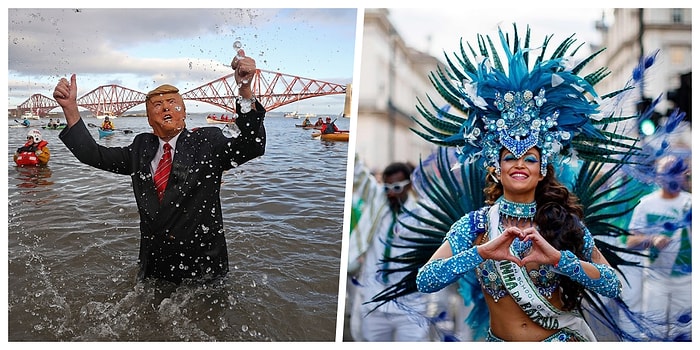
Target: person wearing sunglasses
380,228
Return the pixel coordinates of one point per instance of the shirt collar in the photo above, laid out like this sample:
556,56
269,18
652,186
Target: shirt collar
172,141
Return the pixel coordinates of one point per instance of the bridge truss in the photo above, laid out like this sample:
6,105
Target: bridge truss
272,89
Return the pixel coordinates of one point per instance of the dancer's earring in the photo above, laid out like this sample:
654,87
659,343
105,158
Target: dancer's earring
495,174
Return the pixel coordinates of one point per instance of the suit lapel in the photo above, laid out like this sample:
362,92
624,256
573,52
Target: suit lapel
149,189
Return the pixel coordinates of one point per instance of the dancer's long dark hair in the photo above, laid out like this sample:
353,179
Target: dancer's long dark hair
559,220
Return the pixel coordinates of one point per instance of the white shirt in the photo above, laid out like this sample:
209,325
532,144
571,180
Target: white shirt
159,153
648,217
371,279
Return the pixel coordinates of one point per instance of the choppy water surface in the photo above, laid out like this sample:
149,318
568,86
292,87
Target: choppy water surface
73,242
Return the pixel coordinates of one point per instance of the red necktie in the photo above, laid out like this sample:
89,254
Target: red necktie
163,171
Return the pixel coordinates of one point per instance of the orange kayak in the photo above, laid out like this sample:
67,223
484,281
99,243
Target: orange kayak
336,136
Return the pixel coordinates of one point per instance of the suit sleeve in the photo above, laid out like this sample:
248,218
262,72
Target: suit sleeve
251,142
83,146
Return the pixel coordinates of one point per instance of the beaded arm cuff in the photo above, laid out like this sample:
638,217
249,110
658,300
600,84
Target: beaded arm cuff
440,273
607,285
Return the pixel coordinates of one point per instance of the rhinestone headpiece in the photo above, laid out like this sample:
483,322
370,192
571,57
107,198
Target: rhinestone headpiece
520,126
509,103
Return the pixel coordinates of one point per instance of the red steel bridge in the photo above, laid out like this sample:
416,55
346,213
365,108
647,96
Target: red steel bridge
272,89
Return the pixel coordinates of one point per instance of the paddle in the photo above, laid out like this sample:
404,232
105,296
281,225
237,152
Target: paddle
126,131
20,124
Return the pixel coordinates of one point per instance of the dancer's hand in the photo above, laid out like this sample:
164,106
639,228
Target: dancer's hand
499,247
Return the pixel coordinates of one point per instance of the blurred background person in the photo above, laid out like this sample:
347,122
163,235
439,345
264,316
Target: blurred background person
399,320
661,227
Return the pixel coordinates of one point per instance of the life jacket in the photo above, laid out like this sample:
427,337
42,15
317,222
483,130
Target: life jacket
26,154
329,128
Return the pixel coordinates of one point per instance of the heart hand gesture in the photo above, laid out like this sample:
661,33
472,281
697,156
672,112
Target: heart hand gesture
499,247
541,252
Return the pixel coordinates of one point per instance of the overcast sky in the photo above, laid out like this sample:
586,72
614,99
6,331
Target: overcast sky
143,48
434,29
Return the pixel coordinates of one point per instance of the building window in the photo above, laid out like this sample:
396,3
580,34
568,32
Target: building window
676,15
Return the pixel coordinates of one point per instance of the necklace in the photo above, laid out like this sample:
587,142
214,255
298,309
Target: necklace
511,210
516,210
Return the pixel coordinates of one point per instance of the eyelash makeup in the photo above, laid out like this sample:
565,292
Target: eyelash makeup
530,158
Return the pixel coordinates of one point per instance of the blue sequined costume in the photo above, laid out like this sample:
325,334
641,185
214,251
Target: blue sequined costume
439,273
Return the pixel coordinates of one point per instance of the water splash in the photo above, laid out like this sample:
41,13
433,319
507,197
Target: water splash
238,46
231,130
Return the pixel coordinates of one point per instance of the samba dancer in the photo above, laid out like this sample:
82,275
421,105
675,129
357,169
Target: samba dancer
530,251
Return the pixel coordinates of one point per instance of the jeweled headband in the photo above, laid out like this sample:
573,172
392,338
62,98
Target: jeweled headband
548,106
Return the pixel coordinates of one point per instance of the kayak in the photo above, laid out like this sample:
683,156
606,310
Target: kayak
223,119
307,127
27,159
336,136
55,127
105,133
21,124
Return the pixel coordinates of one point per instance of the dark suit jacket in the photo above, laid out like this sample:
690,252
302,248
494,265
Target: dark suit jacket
183,237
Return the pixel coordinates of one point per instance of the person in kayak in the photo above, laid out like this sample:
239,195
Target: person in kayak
329,127
107,124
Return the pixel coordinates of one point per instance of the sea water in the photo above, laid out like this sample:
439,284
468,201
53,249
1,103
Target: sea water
73,239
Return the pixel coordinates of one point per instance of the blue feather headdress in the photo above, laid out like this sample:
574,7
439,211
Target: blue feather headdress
548,106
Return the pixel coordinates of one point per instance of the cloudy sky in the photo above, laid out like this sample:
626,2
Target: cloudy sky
143,48
434,29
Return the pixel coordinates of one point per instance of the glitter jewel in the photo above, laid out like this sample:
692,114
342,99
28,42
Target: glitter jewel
516,210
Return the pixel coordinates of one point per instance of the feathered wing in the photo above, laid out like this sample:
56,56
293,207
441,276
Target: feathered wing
447,194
